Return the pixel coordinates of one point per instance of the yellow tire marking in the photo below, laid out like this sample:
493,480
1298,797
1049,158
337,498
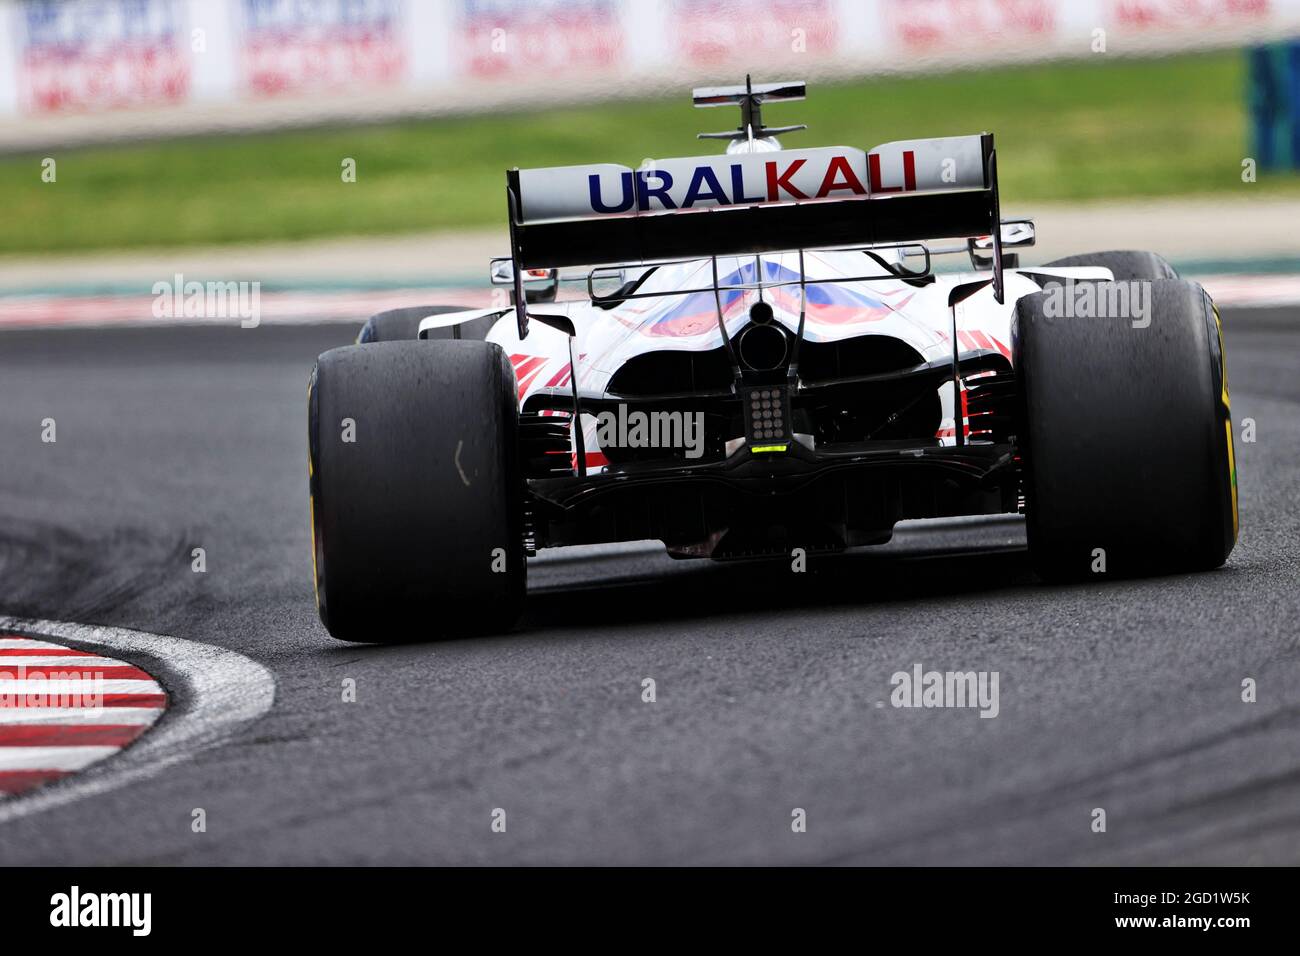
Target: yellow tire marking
1227,423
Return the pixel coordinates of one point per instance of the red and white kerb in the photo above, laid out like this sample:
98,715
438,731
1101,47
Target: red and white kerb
62,710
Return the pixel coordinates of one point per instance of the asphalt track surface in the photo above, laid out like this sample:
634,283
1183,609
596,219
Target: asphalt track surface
1120,694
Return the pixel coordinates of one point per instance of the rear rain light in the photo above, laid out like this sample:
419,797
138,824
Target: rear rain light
767,415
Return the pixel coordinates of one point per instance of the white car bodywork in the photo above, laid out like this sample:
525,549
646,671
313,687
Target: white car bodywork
917,314
700,304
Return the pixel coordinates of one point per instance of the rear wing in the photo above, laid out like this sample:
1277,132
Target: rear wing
777,201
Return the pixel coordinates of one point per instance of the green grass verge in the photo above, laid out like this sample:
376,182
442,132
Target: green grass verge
1073,131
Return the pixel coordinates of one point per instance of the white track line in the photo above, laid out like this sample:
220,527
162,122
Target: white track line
28,643
78,663
52,758
77,685
112,716
218,692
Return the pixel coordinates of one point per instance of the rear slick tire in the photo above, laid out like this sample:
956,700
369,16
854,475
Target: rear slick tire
1126,437
416,491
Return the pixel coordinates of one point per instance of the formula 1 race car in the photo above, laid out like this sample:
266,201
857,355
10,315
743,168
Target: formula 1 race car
764,360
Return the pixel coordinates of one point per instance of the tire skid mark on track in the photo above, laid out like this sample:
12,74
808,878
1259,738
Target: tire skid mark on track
95,573
215,692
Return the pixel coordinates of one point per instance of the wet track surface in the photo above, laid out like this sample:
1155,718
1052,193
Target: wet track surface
1121,694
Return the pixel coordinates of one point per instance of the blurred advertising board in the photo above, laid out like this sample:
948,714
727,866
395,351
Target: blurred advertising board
114,68
291,47
530,38
709,33
99,55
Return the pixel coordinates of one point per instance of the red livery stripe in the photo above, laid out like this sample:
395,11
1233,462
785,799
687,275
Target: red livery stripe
560,378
